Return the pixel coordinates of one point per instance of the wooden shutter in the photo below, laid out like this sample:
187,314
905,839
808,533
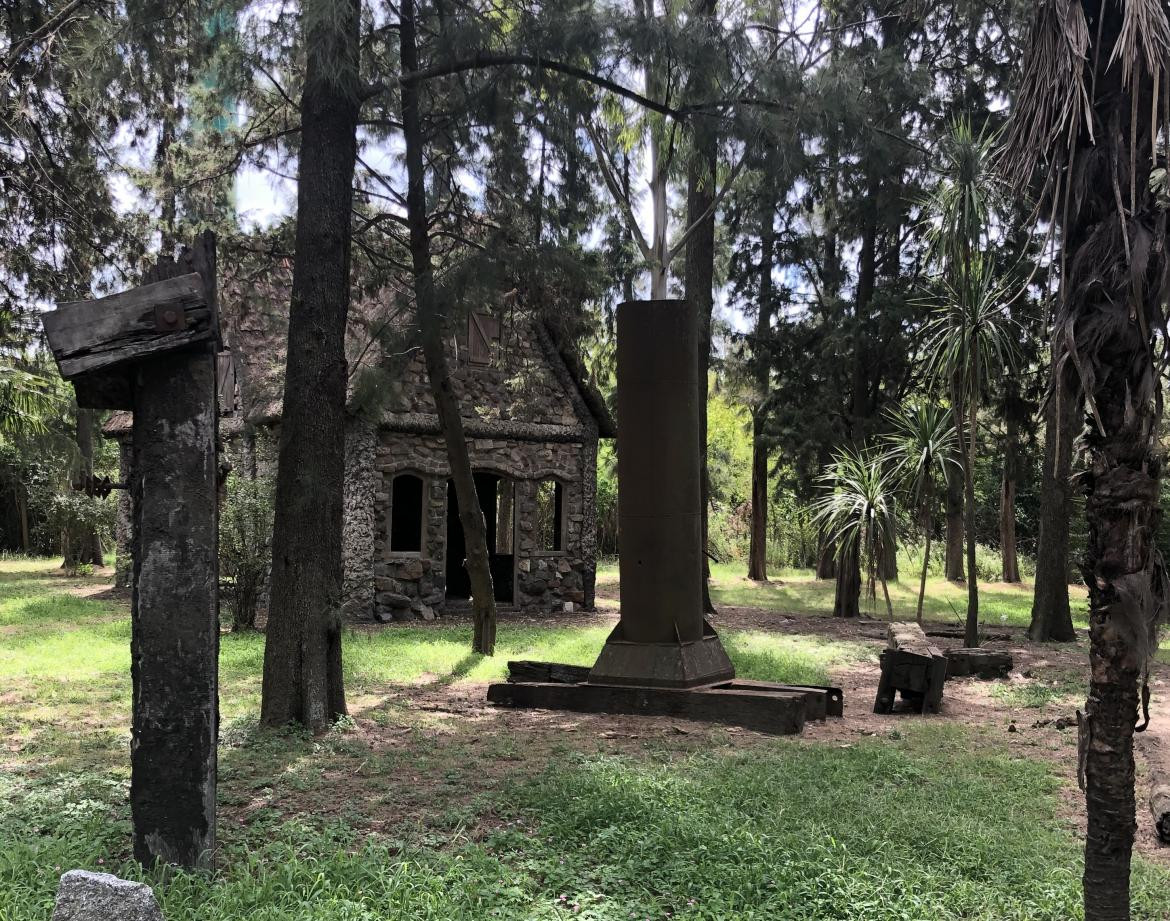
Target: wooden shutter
225,367
483,332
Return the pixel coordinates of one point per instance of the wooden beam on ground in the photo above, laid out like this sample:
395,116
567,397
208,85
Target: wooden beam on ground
773,712
981,663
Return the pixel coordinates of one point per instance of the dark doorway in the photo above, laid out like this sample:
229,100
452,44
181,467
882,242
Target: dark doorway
497,500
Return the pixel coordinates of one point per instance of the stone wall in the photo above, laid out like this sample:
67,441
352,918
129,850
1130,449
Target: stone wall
413,585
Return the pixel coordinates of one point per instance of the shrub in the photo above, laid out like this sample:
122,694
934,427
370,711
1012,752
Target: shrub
245,544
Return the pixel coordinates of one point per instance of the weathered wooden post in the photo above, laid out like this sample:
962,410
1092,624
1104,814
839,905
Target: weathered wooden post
152,349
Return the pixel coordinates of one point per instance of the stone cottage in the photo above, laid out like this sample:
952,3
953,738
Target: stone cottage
532,421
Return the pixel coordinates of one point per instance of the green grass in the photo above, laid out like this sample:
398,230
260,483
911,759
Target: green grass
797,591
63,654
906,830
1055,687
934,821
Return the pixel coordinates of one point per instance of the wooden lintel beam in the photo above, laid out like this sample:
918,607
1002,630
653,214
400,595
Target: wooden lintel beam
95,335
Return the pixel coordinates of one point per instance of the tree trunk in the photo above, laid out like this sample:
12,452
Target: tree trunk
89,546
955,569
302,653
1007,505
967,417
887,565
1007,529
922,581
826,556
22,509
846,601
699,280
1124,575
1051,616
430,314
758,550
927,506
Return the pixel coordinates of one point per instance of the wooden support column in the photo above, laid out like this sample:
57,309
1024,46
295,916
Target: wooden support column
153,350
175,636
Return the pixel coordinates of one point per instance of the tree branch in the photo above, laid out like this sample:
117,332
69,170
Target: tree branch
615,191
715,202
482,61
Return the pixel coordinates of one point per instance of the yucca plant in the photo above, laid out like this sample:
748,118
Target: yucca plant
857,512
920,448
1092,121
972,335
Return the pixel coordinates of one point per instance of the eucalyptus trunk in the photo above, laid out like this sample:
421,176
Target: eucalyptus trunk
430,314
303,680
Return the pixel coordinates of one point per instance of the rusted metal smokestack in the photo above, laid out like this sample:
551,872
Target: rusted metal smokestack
662,639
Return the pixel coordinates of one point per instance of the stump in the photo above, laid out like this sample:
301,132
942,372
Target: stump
910,667
982,663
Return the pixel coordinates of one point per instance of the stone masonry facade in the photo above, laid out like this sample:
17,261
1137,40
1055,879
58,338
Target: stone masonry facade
530,421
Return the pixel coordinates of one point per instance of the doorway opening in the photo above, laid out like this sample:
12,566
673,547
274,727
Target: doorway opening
497,499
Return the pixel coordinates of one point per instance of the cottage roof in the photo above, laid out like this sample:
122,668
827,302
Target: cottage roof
535,388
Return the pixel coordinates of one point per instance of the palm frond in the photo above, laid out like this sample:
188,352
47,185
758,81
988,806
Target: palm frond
1052,101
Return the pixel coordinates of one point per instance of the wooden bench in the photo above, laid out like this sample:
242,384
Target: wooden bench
913,668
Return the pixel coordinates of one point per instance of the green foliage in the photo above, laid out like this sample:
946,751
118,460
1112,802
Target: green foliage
245,543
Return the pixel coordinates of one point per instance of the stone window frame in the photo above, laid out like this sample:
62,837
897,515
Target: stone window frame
563,483
421,552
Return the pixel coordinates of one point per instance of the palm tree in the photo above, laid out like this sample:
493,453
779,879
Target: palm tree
857,512
972,335
921,447
1090,117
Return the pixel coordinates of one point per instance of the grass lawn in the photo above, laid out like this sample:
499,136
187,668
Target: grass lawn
437,813
797,591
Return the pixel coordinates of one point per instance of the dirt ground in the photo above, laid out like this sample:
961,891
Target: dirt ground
459,714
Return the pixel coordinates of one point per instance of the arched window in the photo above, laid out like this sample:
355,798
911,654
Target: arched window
550,516
406,514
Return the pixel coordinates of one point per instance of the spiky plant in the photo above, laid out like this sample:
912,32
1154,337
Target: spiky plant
920,447
1091,119
970,338
857,511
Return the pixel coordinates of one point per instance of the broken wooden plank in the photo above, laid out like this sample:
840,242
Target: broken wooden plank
89,336
772,712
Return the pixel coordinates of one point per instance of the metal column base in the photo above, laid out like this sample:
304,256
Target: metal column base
662,665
